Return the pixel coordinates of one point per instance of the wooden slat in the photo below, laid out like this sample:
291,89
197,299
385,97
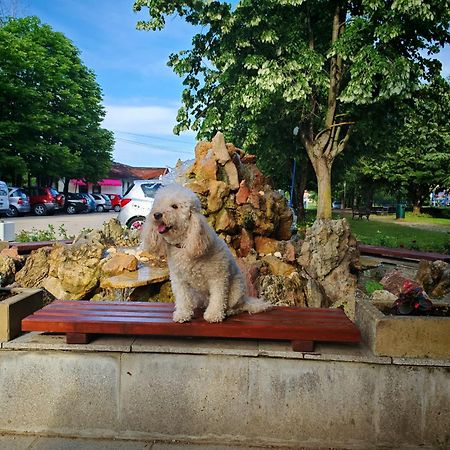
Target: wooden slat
402,253
80,319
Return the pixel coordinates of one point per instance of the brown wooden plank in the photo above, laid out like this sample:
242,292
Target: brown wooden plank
302,346
279,323
78,338
402,253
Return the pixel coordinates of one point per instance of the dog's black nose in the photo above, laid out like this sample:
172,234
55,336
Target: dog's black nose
157,216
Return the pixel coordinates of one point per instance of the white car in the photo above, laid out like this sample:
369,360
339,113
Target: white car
4,199
137,203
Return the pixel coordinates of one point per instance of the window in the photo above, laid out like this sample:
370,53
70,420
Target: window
150,189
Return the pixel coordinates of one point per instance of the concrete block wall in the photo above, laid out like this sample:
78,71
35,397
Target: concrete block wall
221,392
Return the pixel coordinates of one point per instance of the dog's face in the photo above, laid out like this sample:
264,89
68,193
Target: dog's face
172,211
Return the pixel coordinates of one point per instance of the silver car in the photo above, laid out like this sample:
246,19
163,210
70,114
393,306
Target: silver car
103,202
19,202
137,203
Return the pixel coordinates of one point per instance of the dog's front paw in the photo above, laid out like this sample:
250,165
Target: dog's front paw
214,316
182,316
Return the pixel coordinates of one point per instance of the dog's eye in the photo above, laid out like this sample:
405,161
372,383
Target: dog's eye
175,206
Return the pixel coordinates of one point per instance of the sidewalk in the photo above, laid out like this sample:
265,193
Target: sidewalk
23,442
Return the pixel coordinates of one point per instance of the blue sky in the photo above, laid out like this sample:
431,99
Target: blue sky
141,94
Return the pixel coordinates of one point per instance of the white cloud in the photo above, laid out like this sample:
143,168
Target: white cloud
140,119
144,135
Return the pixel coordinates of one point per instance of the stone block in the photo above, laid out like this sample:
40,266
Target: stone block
184,395
21,304
403,336
59,392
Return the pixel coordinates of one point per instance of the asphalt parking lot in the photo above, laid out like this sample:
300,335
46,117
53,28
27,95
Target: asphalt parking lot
73,224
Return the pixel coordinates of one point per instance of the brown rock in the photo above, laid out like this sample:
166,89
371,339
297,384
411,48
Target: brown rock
218,190
394,280
225,221
246,243
4,245
119,263
265,245
284,291
35,269
201,149
250,270
289,252
198,186
220,149
243,193
12,252
7,270
278,267
206,168
248,159
232,175
254,199
443,287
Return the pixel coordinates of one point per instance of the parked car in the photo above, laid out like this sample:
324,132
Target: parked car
75,203
91,203
44,200
137,203
4,199
19,202
103,202
115,201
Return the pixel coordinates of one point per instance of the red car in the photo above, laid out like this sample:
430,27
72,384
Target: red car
115,201
44,200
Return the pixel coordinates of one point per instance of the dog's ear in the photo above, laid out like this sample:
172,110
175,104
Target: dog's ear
151,240
198,236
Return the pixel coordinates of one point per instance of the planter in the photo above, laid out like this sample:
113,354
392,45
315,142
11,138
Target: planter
16,304
403,336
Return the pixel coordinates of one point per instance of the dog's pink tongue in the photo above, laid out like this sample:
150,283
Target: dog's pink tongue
161,228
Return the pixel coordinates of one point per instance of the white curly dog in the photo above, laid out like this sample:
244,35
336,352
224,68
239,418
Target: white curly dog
202,269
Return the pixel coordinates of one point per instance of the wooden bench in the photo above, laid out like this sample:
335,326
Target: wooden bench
361,211
402,253
81,320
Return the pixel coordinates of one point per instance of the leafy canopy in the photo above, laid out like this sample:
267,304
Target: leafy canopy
50,107
258,69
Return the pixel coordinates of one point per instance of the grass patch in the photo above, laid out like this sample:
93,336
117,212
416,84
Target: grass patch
393,235
385,232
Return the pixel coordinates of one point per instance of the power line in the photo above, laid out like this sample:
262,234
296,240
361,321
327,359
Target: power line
143,144
154,137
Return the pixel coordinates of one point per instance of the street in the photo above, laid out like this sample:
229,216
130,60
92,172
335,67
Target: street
73,224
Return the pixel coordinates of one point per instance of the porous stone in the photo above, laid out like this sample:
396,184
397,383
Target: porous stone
119,263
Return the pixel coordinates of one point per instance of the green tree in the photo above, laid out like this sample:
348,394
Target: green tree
312,63
417,157
50,107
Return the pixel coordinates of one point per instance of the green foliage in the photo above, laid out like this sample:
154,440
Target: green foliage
50,107
417,153
371,286
48,234
257,70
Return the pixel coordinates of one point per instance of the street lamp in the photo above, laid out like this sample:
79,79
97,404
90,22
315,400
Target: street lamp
294,137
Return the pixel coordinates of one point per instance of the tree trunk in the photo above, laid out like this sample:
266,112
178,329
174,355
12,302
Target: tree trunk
322,168
416,210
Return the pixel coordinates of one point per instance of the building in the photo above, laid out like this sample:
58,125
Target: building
120,178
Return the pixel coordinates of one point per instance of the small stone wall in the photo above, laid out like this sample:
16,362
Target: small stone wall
216,391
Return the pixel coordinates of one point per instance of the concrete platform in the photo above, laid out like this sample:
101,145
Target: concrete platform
220,393
24,442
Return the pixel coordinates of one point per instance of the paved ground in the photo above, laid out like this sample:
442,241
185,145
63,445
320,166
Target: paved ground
19,442
73,224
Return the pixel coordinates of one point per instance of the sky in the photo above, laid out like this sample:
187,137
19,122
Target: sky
141,93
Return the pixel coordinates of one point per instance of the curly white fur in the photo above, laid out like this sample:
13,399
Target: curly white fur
202,269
